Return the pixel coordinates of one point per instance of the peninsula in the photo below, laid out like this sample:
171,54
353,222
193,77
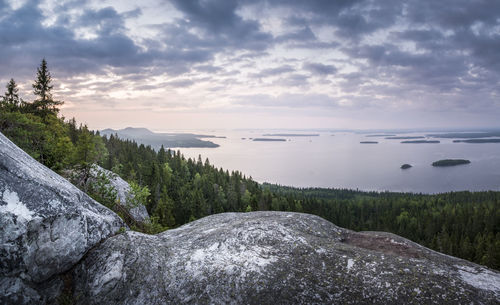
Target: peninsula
156,140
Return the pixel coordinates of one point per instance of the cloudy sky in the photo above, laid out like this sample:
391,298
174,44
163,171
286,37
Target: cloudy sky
294,64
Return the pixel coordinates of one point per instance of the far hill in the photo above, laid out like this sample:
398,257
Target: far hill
156,140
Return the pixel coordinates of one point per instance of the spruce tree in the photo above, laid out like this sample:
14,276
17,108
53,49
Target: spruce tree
42,88
11,98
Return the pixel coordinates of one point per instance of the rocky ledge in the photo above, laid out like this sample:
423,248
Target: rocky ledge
276,258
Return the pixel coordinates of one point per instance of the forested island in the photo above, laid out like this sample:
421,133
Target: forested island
157,140
466,135
368,142
477,141
380,135
269,140
405,138
406,166
450,162
291,135
420,142
176,190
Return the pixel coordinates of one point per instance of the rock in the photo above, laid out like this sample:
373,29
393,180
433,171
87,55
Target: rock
46,227
275,258
138,213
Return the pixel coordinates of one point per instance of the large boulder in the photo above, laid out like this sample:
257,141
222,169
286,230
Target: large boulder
123,193
275,258
46,227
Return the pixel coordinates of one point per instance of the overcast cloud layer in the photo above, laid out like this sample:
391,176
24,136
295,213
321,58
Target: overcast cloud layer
302,64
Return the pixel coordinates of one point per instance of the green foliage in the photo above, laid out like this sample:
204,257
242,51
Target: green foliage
10,100
100,188
138,195
42,88
153,226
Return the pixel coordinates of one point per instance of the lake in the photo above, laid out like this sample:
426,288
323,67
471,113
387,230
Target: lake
338,160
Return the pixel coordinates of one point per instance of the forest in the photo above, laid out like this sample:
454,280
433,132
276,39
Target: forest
177,190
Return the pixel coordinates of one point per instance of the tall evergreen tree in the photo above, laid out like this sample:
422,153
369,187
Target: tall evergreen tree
11,98
42,88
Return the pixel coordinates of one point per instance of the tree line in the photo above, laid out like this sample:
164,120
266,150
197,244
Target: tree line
177,190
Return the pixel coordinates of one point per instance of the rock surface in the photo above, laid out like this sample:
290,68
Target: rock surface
138,213
46,226
276,258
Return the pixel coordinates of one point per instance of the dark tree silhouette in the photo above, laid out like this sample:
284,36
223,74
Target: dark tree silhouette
42,88
11,97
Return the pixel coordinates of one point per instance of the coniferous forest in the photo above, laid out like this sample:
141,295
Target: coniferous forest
177,190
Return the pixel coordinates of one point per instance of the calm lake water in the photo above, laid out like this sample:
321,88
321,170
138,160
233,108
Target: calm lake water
338,160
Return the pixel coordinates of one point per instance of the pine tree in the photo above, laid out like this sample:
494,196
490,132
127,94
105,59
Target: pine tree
11,98
42,88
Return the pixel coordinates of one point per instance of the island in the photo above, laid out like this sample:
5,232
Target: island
368,142
477,141
466,135
406,166
291,135
157,140
421,142
405,138
269,140
450,162
380,135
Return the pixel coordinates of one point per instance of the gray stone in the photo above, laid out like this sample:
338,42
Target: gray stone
46,225
276,258
138,213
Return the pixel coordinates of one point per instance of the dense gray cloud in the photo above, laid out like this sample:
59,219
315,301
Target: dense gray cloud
274,71
318,68
347,50
287,100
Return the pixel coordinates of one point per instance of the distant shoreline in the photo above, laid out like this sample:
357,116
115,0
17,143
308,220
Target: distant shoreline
421,142
268,140
291,135
478,141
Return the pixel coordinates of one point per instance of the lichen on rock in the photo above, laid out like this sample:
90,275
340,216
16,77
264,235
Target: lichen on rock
276,258
46,225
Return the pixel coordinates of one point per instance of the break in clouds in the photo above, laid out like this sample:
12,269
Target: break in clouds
309,57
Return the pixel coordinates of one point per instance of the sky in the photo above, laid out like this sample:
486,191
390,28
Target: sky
195,64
